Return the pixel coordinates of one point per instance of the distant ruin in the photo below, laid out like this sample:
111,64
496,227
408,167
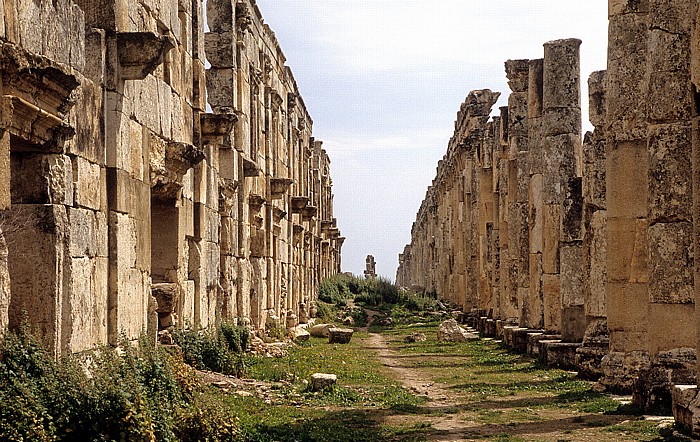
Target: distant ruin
370,268
127,206
577,249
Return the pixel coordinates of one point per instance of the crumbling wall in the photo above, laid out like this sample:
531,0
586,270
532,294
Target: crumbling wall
594,237
126,206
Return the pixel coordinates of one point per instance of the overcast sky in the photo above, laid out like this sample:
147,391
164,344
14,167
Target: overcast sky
383,80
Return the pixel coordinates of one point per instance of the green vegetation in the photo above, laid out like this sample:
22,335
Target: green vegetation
219,350
143,394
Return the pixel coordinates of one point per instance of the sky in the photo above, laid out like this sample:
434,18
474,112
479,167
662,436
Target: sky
383,81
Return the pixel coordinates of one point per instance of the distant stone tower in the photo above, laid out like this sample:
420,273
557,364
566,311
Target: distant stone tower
371,267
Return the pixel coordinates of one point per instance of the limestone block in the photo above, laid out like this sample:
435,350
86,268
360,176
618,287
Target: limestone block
41,179
199,86
663,86
561,121
37,286
596,256
187,314
101,234
535,88
594,171
671,327
187,74
28,15
122,242
534,305
625,78
550,238
562,74
571,275
82,239
517,114
86,184
671,263
177,120
221,87
626,166
670,173
221,15
619,7
627,238
536,218
517,72
672,16
87,116
221,49
164,109
87,303
559,154
118,140
119,190
150,93
596,98
551,290
621,369
627,307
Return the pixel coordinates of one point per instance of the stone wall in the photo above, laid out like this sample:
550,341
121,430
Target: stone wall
129,205
577,249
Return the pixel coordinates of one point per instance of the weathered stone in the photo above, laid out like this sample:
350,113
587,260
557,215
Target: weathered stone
321,381
450,331
339,335
321,330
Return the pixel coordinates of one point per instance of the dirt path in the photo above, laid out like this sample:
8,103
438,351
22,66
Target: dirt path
452,416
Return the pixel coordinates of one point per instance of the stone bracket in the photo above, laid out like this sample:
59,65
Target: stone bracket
299,203
250,167
279,187
140,53
309,212
216,126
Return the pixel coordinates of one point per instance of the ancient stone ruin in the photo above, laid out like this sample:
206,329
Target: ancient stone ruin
140,189
580,249
370,268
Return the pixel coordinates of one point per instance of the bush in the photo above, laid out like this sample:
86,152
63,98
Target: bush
334,290
220,350
135,394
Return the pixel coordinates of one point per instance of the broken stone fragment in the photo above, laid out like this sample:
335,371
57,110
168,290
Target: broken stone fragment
321,330
299,334
321,381
415,337
339,335
450,331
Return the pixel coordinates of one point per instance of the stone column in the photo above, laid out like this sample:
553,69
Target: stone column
627,194
671,107
518,256
596,338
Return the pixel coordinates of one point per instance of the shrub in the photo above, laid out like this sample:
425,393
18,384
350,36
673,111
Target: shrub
334,290
135,394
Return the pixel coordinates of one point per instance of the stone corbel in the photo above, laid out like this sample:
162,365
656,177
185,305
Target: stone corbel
255,202
170,161
243,18
140,53
250,167
291,100
279,186
276,99
278,214
216,126
299,203
309,212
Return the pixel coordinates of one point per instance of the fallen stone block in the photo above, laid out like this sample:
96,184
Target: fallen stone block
339,335
299,334
321,381
450,331
321,330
